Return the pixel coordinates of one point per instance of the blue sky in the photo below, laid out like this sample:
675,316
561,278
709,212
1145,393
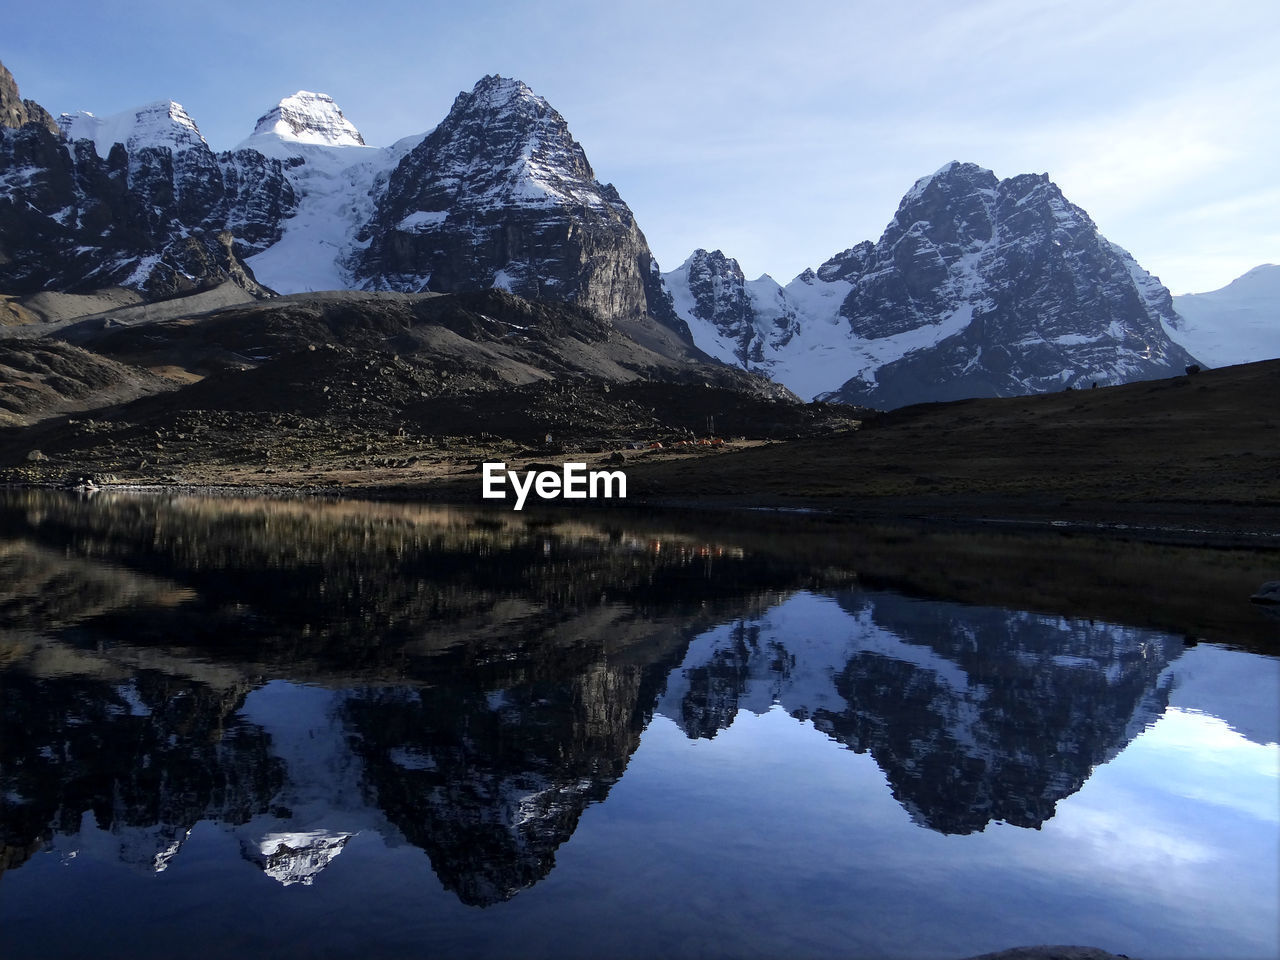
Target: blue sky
779,133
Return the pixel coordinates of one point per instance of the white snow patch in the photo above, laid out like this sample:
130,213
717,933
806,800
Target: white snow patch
422,220
335,186
160,124
1239,323
308,117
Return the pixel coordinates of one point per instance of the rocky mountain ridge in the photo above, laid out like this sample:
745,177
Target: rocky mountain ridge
135,200
498,195
16,112
978,287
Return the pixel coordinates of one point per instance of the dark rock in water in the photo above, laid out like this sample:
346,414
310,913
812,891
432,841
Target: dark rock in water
82,482
1268,593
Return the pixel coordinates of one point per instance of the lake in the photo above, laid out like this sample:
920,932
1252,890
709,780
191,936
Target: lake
283,727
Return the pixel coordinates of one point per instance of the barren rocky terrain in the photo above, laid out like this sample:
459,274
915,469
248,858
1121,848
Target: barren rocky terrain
330,390
406,395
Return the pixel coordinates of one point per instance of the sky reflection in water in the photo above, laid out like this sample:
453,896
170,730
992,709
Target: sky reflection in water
592,751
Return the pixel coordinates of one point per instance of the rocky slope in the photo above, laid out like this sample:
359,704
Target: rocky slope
353,381
978,287
16,112
501,195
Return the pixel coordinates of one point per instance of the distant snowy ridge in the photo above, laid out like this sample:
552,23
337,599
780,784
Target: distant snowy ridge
1239,323
163,124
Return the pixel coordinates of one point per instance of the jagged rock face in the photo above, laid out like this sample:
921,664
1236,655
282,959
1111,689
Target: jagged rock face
127,200
1027,294
978,287
310,118
258,199
718,290
181,186
741,322
913,276
16,112
197,262
501,195
849,265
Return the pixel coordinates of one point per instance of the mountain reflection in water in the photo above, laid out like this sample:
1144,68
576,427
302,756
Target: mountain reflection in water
299,674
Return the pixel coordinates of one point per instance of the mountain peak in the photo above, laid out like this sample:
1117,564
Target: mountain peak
163,123
946,176
16,112
501,144
500,194
1264,278
308,117
509,105
493,90
712,261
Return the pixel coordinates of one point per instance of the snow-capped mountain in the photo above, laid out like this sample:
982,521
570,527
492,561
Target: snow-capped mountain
1239,323
334,176
137,199
310,118
501,195
161,124
498,195
978,287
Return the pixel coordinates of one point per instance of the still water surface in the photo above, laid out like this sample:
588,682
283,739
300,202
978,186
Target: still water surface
258,728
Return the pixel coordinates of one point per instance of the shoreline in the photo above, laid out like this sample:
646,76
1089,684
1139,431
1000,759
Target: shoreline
1196,583
1170,523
